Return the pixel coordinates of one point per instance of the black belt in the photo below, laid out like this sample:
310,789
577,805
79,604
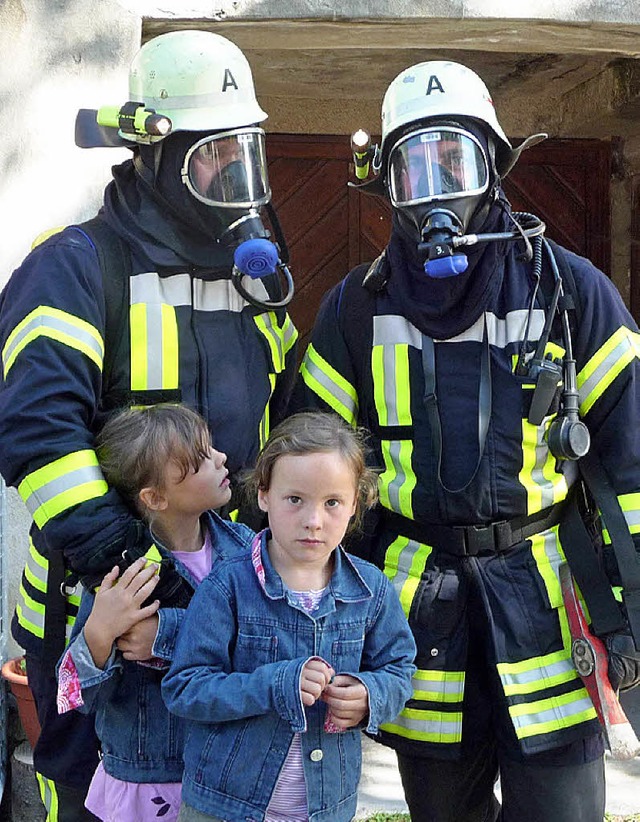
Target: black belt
474,540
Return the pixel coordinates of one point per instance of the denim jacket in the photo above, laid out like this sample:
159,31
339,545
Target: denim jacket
141,741
235,678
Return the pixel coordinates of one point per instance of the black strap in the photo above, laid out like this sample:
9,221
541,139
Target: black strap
474,540
624,548
55,615
577,544
430,400
115,264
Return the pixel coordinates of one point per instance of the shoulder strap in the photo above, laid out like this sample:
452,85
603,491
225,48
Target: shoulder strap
115,264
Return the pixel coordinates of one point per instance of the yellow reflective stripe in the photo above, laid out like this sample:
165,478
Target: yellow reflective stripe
553,714
404,563
49,796
65,328
30,612
36,568
391,384
265,422
605,365
61,484
544,486
398,480
138,334
154,346
323,379
630,504
289,334
426,726
438,686
268,326
170,348
545,548
537,674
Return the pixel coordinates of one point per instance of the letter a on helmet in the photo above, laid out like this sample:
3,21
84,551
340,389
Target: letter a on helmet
200,80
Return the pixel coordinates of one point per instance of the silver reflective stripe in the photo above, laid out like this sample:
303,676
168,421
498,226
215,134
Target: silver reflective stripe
554,715
394,487
60,485
390,329
438,727
220,295
623,347
155,349
447,689
545,486
405,562
343,398
181,101
522,681
501,332
151,289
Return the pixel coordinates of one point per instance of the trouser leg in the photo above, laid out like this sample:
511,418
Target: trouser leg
552,792
461,790
66,754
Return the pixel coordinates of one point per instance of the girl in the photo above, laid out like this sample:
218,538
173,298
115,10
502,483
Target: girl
162,462
308,644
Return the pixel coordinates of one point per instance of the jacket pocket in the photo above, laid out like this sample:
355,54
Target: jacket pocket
251,652
346,655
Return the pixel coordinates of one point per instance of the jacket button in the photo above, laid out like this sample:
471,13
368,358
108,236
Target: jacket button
316,756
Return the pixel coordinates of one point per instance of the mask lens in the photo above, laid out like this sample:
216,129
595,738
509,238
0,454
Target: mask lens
229,169
436,164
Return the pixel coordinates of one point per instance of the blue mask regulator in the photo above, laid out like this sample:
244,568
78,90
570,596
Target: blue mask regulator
257,257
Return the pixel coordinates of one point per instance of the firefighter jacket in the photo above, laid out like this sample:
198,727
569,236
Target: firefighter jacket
179,337
425,401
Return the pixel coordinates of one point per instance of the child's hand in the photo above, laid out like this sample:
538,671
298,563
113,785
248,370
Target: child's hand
136,644
118,606
348,701
316,675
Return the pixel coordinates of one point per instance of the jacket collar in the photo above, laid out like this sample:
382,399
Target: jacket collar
345,585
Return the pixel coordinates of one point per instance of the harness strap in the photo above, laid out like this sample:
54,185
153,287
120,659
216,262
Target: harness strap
474,540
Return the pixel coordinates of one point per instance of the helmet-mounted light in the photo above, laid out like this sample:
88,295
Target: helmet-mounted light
134,119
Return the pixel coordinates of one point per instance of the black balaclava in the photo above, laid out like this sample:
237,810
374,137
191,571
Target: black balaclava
149,205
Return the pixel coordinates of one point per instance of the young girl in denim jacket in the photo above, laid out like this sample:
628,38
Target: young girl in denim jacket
162,462
286,653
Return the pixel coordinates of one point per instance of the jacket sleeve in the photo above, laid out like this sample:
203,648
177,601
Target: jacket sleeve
201,685
607,353
387,661
52,322
327,379
286,378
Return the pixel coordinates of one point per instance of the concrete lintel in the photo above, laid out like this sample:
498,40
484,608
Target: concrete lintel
519,36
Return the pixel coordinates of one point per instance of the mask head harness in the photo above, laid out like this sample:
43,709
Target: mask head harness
197,89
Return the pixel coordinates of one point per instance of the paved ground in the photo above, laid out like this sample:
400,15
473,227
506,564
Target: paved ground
380,788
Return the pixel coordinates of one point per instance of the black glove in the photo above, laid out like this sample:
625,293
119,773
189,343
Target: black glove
624,661
172,590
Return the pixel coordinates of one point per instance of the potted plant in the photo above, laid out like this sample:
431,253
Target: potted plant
15,672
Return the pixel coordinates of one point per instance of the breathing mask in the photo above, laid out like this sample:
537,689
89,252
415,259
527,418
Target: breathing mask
437,178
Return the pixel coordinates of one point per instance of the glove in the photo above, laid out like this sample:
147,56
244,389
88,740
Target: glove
172,590
624,661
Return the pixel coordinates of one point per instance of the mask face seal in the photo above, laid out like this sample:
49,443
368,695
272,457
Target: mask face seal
436,179
228,169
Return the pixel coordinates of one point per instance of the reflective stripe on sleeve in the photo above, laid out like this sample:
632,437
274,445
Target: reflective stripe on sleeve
605,365
323,379
404,563
65,328
630,504
61,484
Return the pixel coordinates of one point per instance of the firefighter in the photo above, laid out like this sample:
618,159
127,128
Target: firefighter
173,293
488,364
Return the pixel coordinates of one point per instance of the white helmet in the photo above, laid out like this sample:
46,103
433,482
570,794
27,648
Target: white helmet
441,88
199,80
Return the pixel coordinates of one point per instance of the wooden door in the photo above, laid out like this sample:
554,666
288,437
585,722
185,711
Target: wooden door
330,227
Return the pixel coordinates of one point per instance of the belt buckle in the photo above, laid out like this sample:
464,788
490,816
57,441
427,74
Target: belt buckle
486,539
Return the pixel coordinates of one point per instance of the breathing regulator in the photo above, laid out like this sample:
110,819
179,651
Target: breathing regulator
197,81
440,162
